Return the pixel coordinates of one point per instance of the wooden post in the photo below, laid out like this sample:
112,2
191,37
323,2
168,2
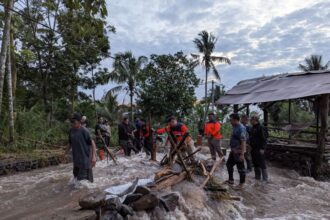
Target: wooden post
247,109
235,108
316,102
289,119
265,117
324,110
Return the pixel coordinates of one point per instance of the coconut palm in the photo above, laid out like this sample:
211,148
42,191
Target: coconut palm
314,62
126,69
205,44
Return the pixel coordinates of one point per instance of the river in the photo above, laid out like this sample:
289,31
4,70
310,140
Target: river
51,193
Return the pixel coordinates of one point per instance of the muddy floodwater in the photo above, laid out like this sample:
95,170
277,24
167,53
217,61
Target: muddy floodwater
51,193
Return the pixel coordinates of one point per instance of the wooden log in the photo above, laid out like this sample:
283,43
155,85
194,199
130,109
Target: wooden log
164,178
192,154
205,173
215,165
175,179
163,172
184,165
324,111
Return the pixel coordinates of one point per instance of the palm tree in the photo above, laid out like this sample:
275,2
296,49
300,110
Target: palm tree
314,62
205,44
126,69
108,107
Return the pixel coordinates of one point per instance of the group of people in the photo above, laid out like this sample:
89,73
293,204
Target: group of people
134,138
247,142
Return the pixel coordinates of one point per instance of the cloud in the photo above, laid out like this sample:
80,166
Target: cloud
261,37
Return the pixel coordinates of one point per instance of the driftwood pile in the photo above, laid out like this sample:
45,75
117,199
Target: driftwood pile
177,168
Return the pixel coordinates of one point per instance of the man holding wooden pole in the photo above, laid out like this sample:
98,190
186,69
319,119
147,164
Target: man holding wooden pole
178,130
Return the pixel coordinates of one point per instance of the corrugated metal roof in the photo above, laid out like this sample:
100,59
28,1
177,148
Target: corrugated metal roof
278,87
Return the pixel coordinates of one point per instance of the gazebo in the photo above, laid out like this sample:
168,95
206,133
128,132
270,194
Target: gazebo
313,86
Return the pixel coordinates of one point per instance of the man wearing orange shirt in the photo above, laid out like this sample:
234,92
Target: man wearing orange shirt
178,130
212,132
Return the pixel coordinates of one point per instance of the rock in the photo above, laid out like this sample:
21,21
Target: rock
113,204
126,210
132,198
170,201
93,200
146,202
142,190
209,164
111,215
176,168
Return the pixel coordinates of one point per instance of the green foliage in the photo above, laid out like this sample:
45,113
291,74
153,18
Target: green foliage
314,62
127,70
168,85
301,112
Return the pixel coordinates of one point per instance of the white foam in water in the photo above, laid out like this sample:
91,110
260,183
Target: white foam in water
289,196
119,189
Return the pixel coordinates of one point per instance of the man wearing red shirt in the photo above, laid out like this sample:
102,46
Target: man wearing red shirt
178,130
212,132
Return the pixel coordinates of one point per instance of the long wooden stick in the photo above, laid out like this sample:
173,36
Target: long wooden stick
192,154
184,165
215,165
107,149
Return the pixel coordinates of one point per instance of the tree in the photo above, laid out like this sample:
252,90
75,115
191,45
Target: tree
314,62
168,85
4,45
127,69
10,96
65,38
206,45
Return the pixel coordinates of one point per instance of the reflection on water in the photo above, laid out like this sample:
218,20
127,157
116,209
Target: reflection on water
52,193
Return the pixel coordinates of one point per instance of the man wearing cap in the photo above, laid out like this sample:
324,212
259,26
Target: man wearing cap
212,133
83,149
178,130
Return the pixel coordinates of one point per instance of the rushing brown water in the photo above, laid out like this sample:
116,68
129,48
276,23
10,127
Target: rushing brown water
51,193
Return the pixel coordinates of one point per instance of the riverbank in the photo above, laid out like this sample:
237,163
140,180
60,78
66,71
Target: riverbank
13,162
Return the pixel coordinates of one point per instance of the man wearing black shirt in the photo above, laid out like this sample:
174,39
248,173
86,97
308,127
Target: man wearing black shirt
83,149
125,134
258,141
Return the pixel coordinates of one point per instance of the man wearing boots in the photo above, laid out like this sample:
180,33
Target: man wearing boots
247,155
238,147
258,141
212,133
125,134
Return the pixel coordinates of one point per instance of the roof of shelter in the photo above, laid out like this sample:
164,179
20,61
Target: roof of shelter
278,87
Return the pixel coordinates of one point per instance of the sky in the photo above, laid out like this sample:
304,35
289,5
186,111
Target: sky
261,37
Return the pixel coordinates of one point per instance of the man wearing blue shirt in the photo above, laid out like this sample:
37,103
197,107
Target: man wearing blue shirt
238,148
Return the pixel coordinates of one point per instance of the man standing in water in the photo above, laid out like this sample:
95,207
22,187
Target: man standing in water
238,147
125,134
258,141
83,149
212,133
179,130
247,155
